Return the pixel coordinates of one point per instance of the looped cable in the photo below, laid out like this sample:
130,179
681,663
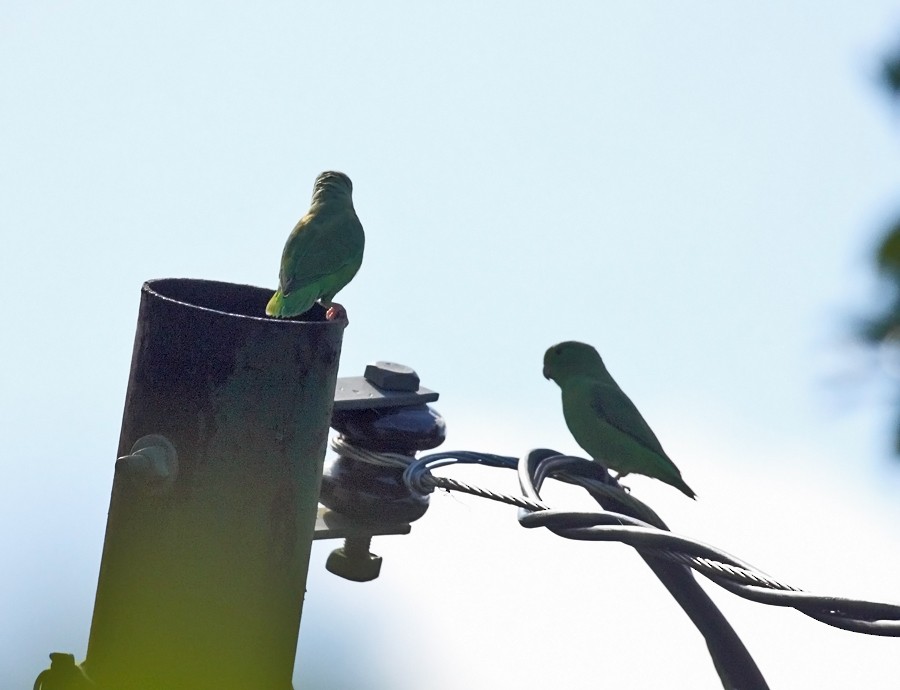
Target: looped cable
630,522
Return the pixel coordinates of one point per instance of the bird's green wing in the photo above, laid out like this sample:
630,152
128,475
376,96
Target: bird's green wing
616,409
322,244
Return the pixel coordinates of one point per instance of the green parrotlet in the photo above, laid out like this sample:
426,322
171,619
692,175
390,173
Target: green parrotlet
323,252
603,420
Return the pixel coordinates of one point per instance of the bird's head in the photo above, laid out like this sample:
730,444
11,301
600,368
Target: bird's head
330,184
570,357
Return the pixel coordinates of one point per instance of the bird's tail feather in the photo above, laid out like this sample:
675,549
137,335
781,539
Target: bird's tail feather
293,304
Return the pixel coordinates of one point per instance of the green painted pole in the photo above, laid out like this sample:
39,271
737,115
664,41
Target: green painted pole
211,521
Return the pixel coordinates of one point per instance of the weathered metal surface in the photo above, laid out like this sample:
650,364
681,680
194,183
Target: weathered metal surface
201,585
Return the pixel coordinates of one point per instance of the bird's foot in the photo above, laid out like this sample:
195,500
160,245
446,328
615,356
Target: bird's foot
618,479
336,312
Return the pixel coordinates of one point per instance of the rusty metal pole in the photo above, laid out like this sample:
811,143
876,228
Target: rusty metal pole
212,512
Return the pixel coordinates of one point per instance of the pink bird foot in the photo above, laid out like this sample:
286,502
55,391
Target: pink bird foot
335,312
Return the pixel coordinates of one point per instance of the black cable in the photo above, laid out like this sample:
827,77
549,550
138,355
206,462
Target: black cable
874,618
670,556
628,520
730,657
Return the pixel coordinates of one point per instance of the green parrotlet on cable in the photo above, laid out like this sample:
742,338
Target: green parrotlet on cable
323,252
603,420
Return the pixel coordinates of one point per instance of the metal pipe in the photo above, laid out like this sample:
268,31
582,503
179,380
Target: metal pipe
205,559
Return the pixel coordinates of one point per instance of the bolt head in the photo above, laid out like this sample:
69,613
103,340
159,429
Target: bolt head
391,376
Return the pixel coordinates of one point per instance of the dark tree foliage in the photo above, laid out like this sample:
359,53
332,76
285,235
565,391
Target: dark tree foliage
891,74
884,327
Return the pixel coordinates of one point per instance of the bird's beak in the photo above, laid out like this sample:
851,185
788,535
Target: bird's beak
546,373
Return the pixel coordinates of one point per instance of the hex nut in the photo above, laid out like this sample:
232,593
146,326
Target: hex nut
392,377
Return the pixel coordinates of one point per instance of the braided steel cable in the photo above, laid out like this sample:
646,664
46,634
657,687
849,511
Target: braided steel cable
637,526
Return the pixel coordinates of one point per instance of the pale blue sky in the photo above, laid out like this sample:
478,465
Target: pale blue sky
694,188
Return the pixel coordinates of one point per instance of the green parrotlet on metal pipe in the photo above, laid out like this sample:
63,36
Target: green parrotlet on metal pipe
603,420
323,252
